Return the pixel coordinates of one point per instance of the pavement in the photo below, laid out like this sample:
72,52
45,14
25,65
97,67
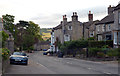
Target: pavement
42,64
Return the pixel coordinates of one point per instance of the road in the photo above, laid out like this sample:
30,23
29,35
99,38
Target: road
40,64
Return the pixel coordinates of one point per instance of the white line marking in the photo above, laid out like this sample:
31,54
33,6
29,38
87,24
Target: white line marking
107,73
89,68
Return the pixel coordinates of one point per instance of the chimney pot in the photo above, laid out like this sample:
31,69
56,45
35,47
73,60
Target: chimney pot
90,16
89,12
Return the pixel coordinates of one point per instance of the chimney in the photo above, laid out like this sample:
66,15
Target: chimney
90,16
64,19
74,17
110,9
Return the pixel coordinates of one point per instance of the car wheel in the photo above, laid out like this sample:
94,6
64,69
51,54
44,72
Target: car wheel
11,63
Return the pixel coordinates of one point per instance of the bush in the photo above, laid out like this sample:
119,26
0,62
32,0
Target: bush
92,52
100,44
91,38
113,52
5,53
73,46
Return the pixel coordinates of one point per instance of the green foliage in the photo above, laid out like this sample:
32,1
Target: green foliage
27,35
91,38
5,53
113,52
100,44
71,46
4,37
93,51
8,21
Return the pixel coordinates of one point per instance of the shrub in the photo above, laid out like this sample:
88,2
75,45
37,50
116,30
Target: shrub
100,44
92,52
91,38
5,53
113,52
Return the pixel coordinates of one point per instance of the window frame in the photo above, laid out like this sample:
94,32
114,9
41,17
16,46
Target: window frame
103,27
118,37
118,17
66,37
109,27
115,37
69,28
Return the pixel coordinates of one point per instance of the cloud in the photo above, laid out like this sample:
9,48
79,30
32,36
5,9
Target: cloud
53,20
48,13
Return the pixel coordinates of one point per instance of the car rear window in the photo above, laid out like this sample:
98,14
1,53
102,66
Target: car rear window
18,53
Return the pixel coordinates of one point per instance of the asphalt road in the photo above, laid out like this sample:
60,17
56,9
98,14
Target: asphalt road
40,64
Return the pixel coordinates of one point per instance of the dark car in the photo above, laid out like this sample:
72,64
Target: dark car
60,55
19,58
44,49
46,52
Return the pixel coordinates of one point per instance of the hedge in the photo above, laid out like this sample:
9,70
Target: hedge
100,44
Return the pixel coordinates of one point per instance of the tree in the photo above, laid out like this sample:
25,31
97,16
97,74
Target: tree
28,34
4,37
8,21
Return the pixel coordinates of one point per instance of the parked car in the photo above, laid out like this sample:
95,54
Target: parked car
46,52
44,49
60,55
19,58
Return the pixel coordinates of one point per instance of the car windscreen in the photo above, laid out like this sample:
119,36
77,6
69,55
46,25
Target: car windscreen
18,53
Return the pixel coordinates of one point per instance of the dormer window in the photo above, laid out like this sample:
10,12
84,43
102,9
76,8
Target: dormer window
69,27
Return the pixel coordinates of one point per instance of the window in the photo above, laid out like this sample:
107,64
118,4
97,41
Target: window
69,27
66,37
99,38
92,34
103,28
108,37
119,38
115,37
98,28
109,27
119,18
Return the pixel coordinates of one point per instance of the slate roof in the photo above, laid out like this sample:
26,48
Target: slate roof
87,24
60,25
108,19
117,7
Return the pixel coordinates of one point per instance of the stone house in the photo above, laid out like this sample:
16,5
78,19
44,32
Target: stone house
89,29
105,26
116,27
68,30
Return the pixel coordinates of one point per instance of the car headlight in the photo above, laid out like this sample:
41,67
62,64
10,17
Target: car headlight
25,58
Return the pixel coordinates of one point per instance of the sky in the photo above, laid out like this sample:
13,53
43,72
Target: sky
48,13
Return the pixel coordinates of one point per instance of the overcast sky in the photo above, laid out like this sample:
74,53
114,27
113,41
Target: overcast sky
48,13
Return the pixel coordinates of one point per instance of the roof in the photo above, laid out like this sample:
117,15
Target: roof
60,25
117,7
108,19
87,24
